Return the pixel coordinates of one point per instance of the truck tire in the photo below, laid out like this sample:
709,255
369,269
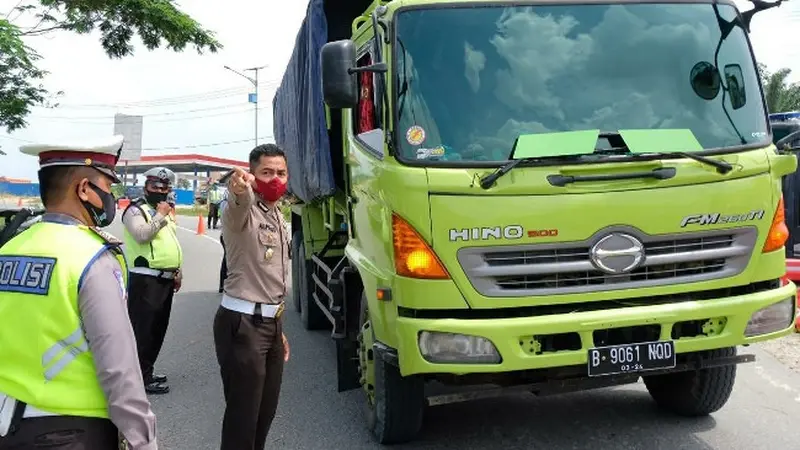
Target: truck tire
310,314
695,393
394,404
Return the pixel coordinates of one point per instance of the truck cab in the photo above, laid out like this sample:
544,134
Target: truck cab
535,198
785,127
786,134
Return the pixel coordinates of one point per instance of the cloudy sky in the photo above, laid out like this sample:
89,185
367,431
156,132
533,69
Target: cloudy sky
191,104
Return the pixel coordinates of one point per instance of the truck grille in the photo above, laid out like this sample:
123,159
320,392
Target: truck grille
565,268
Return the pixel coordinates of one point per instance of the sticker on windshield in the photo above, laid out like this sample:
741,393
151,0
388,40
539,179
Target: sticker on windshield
425,153
415,135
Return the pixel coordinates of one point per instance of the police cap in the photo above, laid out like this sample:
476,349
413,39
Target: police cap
101,154
160,177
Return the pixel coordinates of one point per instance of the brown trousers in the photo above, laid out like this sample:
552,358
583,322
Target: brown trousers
63,433
250,356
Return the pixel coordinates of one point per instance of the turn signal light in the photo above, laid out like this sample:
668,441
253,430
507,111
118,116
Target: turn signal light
778,232
413,257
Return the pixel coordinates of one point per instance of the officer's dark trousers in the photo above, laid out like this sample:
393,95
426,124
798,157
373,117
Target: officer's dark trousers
149,307
213,215
62,433
250,356
223,269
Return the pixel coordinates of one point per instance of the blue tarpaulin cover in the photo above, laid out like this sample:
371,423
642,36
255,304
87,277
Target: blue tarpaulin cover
299,112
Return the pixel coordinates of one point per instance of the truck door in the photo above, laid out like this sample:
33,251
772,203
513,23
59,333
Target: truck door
791,190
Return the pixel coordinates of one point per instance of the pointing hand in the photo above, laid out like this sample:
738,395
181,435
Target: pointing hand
241,181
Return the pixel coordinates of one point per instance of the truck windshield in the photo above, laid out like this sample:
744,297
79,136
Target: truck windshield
470,80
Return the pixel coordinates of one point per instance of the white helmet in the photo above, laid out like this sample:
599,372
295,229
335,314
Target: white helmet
160,175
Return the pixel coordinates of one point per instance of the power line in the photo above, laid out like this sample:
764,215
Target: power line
170,113
182,147
14,139
170,101
99,121
214,144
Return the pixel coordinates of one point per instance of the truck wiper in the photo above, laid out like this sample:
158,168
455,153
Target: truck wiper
723,167
661,173
618,144
618,148
488,180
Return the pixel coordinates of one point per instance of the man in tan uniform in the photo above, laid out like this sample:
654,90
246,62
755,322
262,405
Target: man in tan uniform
248,332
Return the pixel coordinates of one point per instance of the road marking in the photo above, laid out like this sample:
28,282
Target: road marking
202,235
778,384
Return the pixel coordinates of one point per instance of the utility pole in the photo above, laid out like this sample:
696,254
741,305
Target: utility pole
252,98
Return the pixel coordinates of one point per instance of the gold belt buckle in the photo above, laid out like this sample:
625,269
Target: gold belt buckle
123,443
281,307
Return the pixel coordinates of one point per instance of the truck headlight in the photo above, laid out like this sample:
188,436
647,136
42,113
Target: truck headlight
775,317
437,347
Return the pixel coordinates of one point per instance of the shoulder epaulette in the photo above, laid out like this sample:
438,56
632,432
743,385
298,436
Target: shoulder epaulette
106,237
135,202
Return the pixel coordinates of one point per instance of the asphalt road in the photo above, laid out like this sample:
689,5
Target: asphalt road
313,416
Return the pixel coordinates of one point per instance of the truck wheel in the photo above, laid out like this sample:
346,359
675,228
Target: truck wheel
394,404
310,314
695,393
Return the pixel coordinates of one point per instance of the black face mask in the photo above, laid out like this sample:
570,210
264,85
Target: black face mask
154,198
103,216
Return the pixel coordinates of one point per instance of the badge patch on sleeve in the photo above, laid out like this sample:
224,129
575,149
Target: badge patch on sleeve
26,274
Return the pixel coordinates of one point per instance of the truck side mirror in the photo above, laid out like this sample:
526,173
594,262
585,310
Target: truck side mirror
735,82
790,142
339,82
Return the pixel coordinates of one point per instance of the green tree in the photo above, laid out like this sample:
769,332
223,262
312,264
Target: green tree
781,95
158,23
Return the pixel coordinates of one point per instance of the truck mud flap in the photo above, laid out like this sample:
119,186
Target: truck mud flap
327,295
581,383
338,293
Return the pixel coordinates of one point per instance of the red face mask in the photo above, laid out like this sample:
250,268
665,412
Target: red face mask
272,190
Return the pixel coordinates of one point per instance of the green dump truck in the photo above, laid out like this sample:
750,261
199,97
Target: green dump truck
532,196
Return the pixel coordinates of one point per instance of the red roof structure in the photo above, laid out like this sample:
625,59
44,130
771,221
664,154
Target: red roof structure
187,163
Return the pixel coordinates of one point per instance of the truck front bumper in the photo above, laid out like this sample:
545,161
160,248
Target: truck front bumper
520,341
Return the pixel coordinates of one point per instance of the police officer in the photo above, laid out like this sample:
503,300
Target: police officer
248,327
214,199
223,268
69,373
153,250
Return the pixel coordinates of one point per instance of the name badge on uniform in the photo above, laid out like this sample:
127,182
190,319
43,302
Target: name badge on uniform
269,253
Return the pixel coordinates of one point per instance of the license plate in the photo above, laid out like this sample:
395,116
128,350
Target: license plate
630,358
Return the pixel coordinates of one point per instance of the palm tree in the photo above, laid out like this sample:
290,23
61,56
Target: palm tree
780,94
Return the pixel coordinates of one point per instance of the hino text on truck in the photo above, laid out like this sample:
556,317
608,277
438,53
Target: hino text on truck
545,196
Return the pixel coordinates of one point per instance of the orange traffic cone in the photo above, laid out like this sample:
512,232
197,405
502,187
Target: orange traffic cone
201,225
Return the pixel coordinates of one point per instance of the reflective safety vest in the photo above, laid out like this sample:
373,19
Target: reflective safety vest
163,251
214,196
44,356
